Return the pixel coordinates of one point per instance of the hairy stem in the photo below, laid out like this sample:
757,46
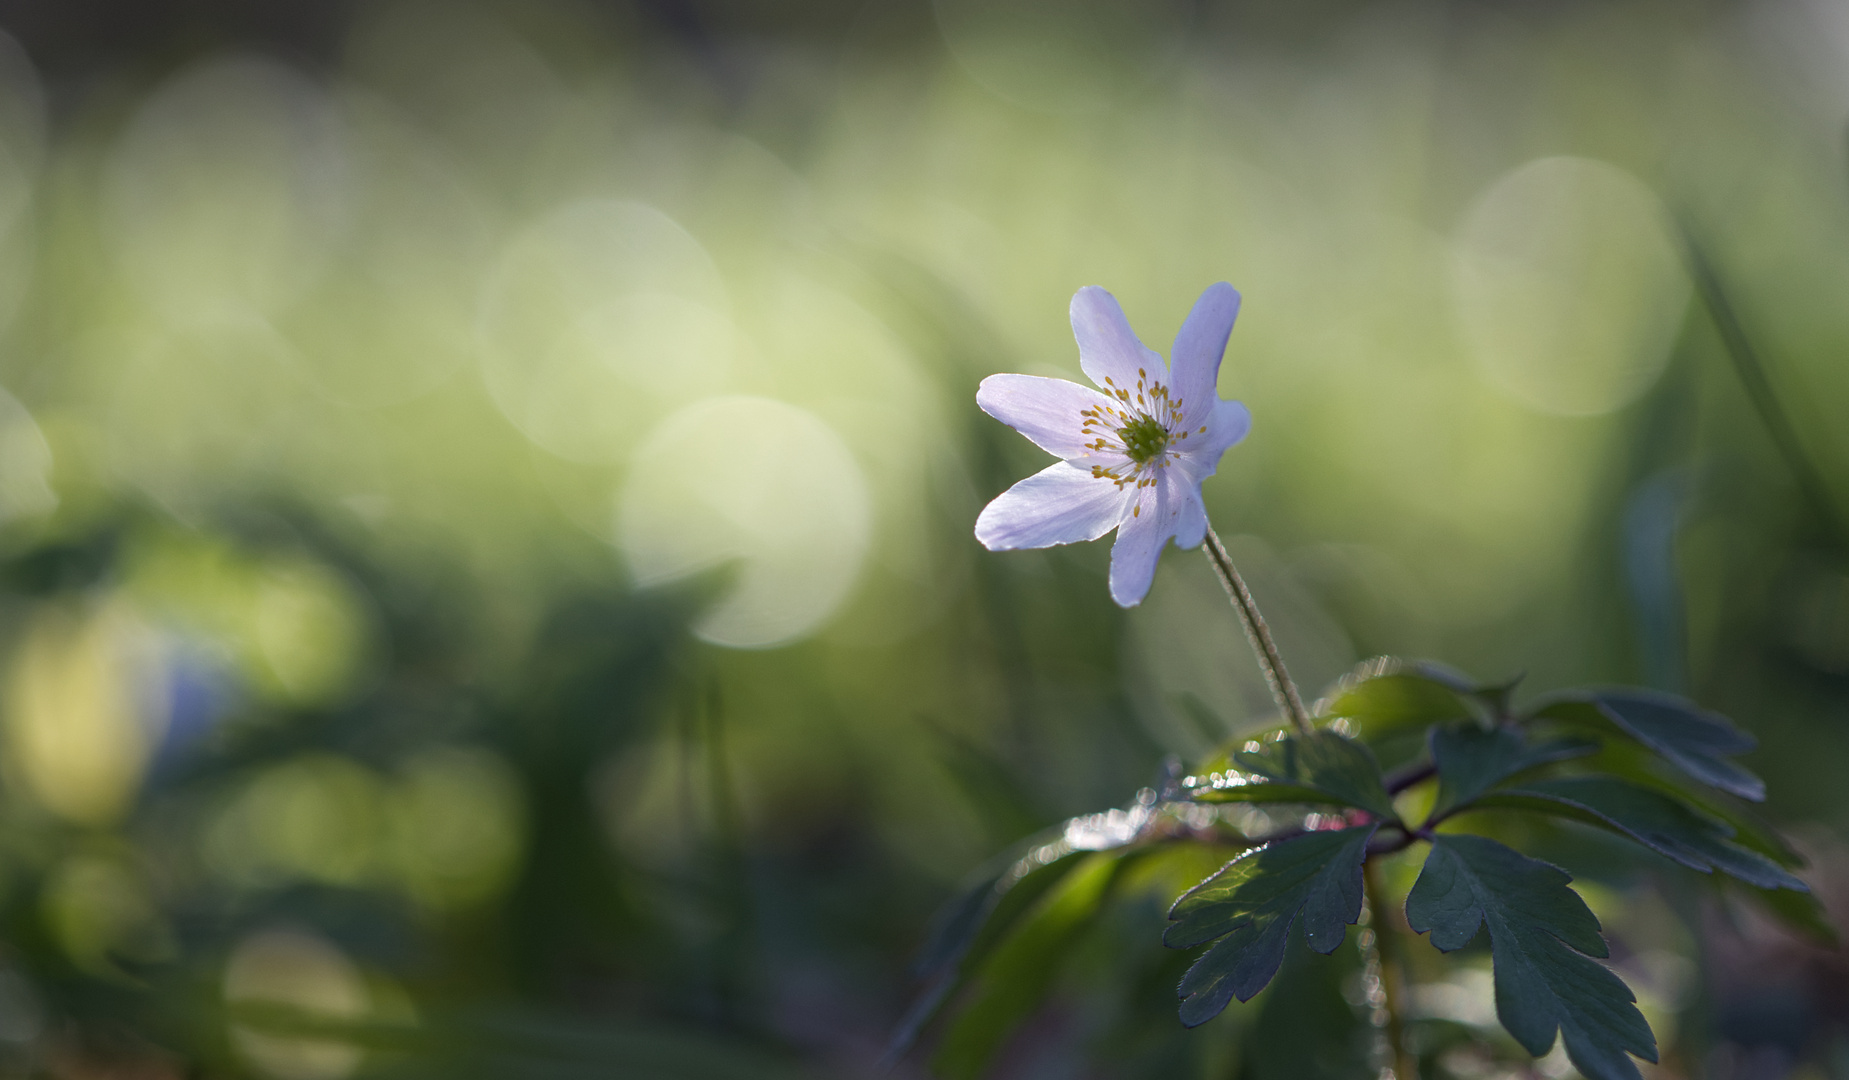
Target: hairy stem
1392,985
1282,689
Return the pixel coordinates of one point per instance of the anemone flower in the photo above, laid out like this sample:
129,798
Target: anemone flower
1132,453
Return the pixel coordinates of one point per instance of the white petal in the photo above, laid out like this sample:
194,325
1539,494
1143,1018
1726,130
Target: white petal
1191,525
1199,347
1108,349
1199,454
1047,412
1231,420
1198,462
1159,511
1060,504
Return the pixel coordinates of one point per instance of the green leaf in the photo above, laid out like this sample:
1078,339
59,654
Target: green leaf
1471,760
993,899
1692,739
1016,977
1386,693
1632,762
1750,830
1249,906
1541,937
975,921
1652,818
968,928
1322,767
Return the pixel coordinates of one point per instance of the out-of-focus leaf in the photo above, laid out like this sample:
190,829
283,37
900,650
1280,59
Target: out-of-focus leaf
1750,830
1638,765
1248,908
1634,763
967,928
987,782
1015,978
1208,725
1305,1029
1692,739
1799,911
1386,694
1322,767
1471,760
993,898
1653,819
519,1046
1538,930
977,919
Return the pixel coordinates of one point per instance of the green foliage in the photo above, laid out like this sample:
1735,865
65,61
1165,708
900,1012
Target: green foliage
1321,768
1471,760
1388,694
1590,757
1541,937
999,937
1305,1029
990,904
968,928
508,1045
1694,740
1012,980
1658,821
1249,906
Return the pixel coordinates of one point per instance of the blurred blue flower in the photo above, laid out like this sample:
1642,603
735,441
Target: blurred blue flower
1134,451
201,692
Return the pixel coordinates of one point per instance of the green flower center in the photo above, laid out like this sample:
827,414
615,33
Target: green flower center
1143,439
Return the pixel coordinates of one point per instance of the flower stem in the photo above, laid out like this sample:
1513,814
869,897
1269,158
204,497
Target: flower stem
1392,988
1283,691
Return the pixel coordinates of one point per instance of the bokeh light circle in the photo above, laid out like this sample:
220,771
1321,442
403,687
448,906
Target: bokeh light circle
1569,290
397,319
207,405
296,970
757,486
84,705
600,318
227,189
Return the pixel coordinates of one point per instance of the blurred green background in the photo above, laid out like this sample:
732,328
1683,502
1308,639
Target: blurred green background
486,497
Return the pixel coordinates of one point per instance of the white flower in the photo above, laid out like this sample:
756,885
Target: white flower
1134,455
